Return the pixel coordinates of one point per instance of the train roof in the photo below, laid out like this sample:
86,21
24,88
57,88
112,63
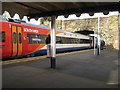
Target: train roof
24,23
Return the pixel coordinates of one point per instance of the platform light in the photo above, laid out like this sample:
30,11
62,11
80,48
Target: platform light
78,14
45,18
28,18
105,12
36,18
56,17
91,13
66,15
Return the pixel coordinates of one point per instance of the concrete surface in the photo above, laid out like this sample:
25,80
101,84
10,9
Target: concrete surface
73,70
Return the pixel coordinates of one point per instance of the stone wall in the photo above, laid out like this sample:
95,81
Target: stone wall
108,28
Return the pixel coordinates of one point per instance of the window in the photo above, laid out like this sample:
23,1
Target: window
63,40
36,39
20,37
2,37
72,40
14,38
79,40
58,40
75,40
84,41
67,40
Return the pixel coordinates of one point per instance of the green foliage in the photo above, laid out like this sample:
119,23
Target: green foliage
42,21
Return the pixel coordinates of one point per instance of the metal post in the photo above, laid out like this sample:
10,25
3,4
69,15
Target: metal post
98,37
94,42
119,32
53,42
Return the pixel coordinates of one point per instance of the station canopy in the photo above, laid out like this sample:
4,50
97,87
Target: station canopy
42,9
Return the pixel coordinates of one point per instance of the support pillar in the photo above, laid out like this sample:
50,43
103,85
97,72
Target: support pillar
98,37
53,42
94,43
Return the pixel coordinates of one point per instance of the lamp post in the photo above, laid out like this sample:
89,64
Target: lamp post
98,37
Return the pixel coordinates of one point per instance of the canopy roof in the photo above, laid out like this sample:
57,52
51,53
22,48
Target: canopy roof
41,9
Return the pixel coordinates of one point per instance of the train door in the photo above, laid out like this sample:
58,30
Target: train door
90,42
16,41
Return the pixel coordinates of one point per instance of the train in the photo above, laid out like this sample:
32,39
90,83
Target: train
18,38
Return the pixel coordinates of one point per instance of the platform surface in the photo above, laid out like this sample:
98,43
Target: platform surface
73,70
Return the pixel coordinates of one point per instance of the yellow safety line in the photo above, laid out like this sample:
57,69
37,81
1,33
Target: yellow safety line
61,54
37,58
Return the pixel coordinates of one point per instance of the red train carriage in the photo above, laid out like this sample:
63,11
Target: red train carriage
14,42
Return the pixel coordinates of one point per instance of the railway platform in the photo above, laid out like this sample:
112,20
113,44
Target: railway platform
79,69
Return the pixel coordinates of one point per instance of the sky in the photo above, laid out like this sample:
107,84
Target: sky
71,17
86,15
83,16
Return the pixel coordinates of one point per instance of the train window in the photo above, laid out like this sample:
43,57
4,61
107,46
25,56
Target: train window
63,40
58,40
75,41
85,41
43,38
72,40
78,40
14,38
2,37
66,40
69,40
20,38
36,39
